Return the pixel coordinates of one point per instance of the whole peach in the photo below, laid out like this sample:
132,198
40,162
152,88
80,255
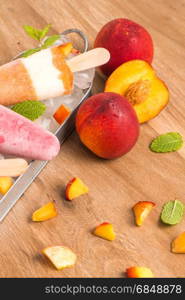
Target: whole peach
125,40
107,125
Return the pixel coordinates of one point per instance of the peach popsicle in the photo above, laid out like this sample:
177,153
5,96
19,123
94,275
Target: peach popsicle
45,74
24,138
40,76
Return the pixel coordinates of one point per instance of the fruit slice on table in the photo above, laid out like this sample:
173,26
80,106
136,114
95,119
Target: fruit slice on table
141,210
75,188
46,212
12,167
5,184
138,82
61,114
105,231
139,272
178,244
60,256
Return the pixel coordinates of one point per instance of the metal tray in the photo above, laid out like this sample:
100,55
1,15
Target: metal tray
36,166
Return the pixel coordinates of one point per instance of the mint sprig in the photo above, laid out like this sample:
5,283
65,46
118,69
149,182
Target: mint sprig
39,35
31,110
168,142
172,212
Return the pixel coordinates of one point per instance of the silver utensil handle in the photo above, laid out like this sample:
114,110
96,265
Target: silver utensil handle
81,34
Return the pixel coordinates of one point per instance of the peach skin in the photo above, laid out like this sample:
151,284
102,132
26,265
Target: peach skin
125,40
141,210
139,272
107,124
137,81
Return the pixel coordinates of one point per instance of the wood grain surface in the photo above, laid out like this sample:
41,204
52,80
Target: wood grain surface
114,185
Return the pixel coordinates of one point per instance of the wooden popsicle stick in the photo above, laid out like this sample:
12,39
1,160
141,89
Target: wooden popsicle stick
90,59
12,167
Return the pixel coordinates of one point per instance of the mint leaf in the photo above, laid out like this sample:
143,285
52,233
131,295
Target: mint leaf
31,110
37,34
50,40
171,141
29,52
42,33
33,32
172,212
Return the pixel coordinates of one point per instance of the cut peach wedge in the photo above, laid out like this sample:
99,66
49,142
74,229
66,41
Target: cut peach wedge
141,210
105,231
66,49
75,188
178,244
61,257
61,114
139,272
138,82
46,212
5,184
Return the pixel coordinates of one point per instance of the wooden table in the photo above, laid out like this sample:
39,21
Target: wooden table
114,185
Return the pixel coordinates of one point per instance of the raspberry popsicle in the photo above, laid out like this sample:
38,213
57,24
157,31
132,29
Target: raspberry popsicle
40,76
23,138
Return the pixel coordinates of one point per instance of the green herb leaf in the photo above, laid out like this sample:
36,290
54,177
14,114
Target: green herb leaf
50,40
32,110
171,141
33,32
44,31
37,34
172,212
29,52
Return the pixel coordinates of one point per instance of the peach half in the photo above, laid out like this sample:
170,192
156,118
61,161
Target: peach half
137,81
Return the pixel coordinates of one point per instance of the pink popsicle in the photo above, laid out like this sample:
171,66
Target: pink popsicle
23,138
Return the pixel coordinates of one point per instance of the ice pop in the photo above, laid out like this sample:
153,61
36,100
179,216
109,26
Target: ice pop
40,76
45,74
22,138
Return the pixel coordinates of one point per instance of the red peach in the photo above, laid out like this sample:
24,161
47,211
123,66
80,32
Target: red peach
107,125
125,40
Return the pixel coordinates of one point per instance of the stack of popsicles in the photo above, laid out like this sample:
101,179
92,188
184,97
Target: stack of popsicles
40,76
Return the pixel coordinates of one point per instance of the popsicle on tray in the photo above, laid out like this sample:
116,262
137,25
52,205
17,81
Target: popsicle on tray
23,138
40,76
44,74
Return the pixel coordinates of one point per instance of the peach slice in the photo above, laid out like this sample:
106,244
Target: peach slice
5,184
138,82
66,49
75,188
178,245
105,231
46,212
139,272
61,114
141,210
61,257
